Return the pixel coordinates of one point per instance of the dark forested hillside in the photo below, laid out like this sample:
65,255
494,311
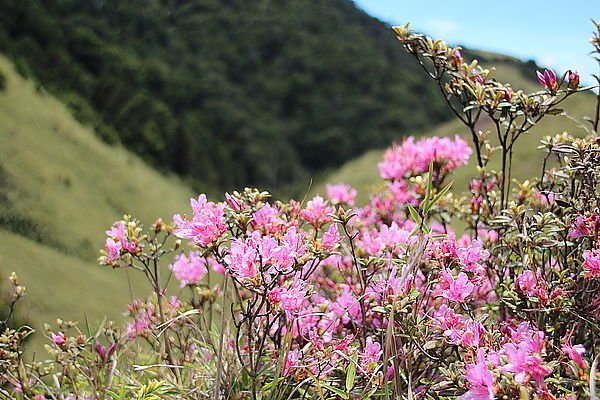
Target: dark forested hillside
224,92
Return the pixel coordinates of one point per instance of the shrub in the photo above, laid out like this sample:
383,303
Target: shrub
321,300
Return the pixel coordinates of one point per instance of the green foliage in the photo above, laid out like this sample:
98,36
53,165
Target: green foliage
362,172
60,188
225,93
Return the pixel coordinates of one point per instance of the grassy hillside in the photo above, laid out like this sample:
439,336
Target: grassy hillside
225,93
60,188
363,174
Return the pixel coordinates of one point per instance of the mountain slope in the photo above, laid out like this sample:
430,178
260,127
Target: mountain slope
61,188
362,172
225,93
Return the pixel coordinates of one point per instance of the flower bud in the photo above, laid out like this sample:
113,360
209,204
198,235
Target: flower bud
573,80
233,203
548,80
456,59
159,225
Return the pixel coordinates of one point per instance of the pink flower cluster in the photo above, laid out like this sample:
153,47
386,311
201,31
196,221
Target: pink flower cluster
189,269
341,194
118,242
206,225
591,263
413,158
317,212
324,280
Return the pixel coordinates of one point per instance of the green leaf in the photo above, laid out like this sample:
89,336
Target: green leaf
272,384
441,193
351,373
414,214
335,390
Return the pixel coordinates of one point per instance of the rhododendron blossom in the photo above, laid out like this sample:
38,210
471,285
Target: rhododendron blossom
206,225
414,157
317,212
575,353
591,263
481,380
331,238
455,289
526,283
189,269
341,193
370,355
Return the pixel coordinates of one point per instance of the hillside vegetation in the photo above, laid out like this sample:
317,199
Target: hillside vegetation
61,188
363,174
225,93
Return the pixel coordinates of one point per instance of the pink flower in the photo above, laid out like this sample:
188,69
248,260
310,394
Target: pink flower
573,80
58,338
139,327
117,243
267,219
402,192
456,59
243,259
394,238
292,360
215,265
575,353
316,212
591,263
455,289
113,250
207,223
233,203
481,380
118,232
104,352
190,269
370,242
290,299
580,227
526,283
548,80
291,249
370,356
341,193
402,161
346,308
331,238
525,364
471,335
472,258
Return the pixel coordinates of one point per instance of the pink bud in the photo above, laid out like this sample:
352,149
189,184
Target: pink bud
548,80
104,353
233,203
58,339
573,80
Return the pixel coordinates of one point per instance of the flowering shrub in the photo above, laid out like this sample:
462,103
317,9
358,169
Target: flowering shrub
285,300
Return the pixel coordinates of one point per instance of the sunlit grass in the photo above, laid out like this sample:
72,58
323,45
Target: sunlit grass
61,188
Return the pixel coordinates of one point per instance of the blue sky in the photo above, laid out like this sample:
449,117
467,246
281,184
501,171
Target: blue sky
554,34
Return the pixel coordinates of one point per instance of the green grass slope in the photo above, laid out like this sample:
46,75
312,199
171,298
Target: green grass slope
60,188
362,172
